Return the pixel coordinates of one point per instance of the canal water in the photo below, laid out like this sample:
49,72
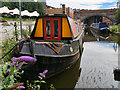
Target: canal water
95,67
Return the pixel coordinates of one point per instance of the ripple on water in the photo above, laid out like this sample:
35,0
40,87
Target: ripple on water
97,63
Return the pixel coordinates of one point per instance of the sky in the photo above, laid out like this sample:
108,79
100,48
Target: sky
84,4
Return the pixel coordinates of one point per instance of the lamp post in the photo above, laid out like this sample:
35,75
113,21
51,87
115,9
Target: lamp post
20,17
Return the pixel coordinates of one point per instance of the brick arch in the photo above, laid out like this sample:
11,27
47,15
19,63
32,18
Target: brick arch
113,21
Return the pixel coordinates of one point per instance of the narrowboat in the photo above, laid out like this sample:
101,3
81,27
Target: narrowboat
101,27
56,42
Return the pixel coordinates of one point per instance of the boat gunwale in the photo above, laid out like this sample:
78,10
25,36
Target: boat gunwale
54,56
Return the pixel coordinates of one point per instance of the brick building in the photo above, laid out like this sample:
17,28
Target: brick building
51,10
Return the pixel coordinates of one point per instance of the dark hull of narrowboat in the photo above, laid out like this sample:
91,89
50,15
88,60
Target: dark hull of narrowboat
100,35
100,31
54,65
47,59
104,31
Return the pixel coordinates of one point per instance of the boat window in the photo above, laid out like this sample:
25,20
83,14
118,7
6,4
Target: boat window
55,28
48,27
77,27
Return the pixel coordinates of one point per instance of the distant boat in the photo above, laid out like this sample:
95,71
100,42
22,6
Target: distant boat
56,42
102,27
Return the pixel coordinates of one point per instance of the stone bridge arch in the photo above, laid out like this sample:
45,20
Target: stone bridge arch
87,17
83,15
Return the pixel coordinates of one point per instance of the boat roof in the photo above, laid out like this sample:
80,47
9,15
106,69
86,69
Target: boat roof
72,29
53,15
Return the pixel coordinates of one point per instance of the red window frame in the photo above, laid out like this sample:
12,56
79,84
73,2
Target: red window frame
52,29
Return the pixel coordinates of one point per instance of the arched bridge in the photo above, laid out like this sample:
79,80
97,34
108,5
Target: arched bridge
95,16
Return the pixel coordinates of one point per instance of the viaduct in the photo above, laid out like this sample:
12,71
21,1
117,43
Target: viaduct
95,16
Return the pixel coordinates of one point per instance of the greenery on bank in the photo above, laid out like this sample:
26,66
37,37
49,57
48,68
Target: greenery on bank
30,6
16,19
6,45
117,16
10,42
114,28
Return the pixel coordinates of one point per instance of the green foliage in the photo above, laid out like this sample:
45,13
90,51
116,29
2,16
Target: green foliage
9,43
7,80
26,33
117,16
30,6
52,87
16,19
114,28
36,84
6,45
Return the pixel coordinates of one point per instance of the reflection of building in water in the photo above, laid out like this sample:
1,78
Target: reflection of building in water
115,46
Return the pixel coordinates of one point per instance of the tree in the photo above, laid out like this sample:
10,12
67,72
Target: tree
117,16
30,6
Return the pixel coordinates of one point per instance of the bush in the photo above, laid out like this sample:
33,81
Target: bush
114,28
117,16
10,74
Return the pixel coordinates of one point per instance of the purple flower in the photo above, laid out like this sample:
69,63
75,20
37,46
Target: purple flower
10,39
27,59
45,71
8,70
9,15
43,74
24,58
14,58
23,38
22,87
13,63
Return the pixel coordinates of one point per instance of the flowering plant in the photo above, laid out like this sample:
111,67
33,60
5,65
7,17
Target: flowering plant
37,83
10,71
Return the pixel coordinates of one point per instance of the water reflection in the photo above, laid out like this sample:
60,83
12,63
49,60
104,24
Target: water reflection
92,35
115,46
66,79
98,61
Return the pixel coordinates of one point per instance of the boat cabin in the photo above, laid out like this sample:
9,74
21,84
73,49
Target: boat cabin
56,27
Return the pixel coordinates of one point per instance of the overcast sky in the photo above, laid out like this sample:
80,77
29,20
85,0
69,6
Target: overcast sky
84,4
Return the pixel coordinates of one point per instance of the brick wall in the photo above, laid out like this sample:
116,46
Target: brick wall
68,11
